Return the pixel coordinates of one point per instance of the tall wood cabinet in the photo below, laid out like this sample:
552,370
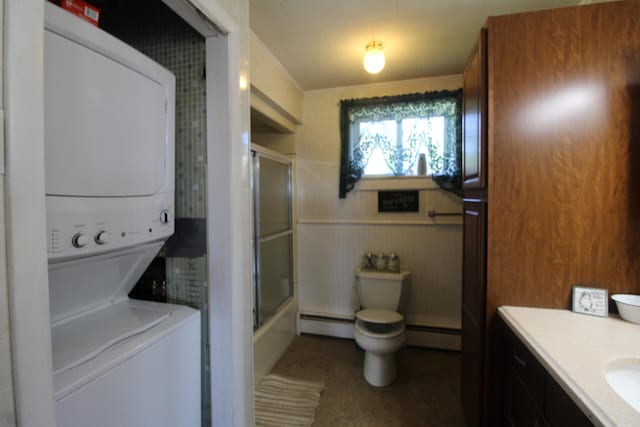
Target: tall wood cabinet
551,169
473,308
474,232
474,118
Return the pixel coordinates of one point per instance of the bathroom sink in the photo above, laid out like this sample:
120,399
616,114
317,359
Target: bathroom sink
624,378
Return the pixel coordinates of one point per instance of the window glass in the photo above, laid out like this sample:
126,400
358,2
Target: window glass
383,155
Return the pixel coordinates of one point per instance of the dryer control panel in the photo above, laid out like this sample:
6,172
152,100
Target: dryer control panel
78,227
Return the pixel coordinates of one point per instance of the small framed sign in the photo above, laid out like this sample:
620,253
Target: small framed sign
398,201
592,301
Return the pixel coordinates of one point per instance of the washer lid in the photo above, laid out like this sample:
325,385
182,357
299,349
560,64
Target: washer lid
82,285
380,316
82,339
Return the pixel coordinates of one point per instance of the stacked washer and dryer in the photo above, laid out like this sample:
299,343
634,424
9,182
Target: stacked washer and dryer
109,159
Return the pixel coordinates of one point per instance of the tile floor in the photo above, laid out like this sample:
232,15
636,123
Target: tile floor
426,391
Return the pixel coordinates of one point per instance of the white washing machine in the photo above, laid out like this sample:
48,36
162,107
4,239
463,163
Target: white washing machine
109,159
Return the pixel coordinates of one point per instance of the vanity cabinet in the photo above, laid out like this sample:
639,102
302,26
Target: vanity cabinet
530,395
551,188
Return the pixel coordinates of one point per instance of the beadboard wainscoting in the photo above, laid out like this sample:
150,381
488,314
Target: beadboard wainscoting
330,250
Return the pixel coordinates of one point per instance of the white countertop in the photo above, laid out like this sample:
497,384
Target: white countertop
576,349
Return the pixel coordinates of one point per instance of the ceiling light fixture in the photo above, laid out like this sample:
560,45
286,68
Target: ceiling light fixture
374,58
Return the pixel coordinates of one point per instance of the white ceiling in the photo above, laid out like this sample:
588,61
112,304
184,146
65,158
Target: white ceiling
321,42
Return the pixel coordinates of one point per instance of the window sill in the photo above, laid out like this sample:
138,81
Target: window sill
396,183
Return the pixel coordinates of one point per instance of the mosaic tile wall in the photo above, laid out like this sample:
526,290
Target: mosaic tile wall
160,34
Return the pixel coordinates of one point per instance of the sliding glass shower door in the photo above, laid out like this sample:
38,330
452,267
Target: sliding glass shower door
272,234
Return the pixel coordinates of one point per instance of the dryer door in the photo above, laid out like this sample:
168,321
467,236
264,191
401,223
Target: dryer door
105,123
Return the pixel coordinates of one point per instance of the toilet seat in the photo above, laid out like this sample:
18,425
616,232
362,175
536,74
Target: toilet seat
380,324
379,316
393,330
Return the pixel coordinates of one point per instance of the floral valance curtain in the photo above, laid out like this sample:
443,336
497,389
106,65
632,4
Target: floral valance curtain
445,165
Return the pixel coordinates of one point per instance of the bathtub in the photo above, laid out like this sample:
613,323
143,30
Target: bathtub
272,339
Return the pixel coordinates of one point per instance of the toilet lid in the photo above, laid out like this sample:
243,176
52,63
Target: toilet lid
379,316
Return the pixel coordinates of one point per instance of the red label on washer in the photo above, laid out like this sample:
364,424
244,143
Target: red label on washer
82,9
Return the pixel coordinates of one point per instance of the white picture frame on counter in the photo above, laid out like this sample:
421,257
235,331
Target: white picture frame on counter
593,301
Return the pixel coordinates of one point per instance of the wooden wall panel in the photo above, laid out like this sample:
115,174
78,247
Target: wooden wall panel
564,155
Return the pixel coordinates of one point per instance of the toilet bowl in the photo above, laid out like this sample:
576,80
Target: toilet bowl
380,333
379,327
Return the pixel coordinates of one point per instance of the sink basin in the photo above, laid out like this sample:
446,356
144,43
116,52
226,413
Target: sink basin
628,306
624,378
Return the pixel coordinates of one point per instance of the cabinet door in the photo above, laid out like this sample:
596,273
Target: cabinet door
524,379
473,258
559,409
530,395
474,118
472,371
520,408
473,319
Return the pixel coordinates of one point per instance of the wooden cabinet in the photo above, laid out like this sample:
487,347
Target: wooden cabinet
474,232
473,309
474,117
472,368
551,187
473,260
520,408
523,390
530,395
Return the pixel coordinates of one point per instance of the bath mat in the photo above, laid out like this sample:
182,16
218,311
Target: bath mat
286,402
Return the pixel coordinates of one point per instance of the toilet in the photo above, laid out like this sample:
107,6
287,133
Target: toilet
379,327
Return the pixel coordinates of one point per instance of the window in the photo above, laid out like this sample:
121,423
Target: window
386,136
393,147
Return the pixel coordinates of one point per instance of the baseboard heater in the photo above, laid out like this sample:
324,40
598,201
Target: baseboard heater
417,335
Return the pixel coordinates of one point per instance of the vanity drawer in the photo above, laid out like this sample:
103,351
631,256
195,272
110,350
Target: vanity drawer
527,367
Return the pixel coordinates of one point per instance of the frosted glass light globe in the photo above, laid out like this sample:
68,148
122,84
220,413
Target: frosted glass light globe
374,58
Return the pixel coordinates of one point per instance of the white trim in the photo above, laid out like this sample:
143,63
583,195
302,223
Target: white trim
373,183
274,155
326,327
271,112
198,21
26,215
335,326
228,237
219,261
337,316
213,11
393,84
346,221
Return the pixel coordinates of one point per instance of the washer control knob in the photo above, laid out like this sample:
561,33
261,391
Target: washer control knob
102,238
80,240
165,216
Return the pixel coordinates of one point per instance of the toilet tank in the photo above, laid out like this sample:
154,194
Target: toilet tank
382,289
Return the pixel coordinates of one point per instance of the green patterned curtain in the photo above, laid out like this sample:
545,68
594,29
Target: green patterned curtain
445,165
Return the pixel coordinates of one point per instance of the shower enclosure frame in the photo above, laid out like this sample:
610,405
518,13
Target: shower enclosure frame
260,236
